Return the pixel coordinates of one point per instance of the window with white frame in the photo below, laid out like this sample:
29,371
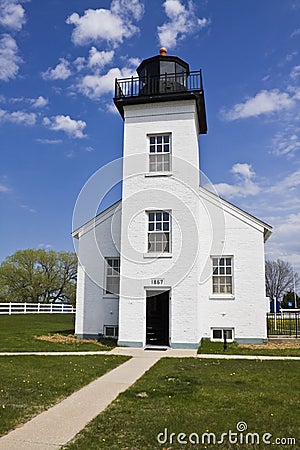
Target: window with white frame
111,331
222,275
218,334
112,276
160,153
159,231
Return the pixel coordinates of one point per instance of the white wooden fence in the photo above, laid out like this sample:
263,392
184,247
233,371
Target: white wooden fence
35,308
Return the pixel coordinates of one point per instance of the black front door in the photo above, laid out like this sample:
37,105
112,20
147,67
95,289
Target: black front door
157,319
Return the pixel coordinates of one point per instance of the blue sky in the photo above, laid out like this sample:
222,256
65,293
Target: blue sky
58,125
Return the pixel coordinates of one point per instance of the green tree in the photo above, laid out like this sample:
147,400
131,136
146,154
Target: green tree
38,276
290,297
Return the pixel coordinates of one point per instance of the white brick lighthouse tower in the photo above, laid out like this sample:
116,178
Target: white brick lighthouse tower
171,263
163,113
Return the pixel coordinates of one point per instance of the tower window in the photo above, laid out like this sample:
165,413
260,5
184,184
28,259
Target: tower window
112,276
222,275
159,230
160,153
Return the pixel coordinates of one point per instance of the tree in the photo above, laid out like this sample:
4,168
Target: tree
290,297
280,278
38,276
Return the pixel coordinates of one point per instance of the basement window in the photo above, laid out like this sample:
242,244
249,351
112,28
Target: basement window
218,334
111,331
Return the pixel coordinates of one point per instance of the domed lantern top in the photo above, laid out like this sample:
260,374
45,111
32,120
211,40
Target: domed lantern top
162,78
162,73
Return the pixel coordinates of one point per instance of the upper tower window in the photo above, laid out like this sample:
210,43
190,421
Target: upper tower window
160,153
159,230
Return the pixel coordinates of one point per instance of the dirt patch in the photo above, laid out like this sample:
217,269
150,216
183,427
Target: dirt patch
272,345
61,339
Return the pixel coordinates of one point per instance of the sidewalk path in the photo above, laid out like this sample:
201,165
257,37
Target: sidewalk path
58,425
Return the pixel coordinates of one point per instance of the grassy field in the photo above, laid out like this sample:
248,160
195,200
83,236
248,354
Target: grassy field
19,333
270,349
200,396
31,384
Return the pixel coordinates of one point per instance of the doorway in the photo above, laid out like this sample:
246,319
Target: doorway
157,318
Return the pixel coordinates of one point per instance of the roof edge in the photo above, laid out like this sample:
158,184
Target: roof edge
75,233
267,228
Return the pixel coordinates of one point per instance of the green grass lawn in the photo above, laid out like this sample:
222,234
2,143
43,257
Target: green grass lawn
198,396
31,384
234,348
17,333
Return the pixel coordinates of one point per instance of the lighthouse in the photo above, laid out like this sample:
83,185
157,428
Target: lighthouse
182,264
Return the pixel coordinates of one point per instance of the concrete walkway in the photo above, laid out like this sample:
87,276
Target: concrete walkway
58,425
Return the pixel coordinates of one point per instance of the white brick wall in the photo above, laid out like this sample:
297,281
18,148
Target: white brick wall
202,226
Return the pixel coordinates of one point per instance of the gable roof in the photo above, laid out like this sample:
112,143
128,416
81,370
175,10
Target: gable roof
236,211
213,198
103,215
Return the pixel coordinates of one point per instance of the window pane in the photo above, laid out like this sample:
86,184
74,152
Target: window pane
152,140
159,148
151,226
159,139
166,139
166,216
109,331
228,334
158,216
228,261
151,217
152,148
217,334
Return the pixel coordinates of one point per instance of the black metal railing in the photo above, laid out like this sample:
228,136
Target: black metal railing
173,83
284,324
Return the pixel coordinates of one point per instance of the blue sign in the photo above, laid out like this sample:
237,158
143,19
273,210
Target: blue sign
290,304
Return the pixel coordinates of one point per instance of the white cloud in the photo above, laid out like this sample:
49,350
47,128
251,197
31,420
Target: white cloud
94,86
244,185
287,184
28,208
74,128
285,143
18,117
128,7
9,58
110,25
49,141
295,33
99,59
182,22
39,102
79,63
264,102
12,14
4,188
60,72
284,242
295,72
